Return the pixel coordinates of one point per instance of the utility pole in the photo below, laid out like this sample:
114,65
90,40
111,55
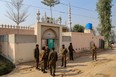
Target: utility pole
69,18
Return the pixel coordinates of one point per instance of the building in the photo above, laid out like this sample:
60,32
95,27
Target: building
18,43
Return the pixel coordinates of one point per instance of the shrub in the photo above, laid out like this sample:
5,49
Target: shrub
6,66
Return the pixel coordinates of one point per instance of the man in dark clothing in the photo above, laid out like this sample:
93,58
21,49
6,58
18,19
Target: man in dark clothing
52,59
36,55
71,50
47,54
64,52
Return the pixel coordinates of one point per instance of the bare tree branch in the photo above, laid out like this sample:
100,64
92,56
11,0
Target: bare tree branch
16,11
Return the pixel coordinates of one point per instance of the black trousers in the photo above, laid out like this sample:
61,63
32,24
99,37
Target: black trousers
94,55
71,55
37,62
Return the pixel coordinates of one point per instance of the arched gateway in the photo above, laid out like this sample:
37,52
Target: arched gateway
49,34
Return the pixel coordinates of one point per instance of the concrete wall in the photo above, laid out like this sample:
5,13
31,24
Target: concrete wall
4,48
24,52
8,47
19,48
6,29
81,41
24,48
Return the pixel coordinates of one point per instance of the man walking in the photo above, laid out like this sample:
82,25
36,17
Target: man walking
71,50
64,52
36,55
52,59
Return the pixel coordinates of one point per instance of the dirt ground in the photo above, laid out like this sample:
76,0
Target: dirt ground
83,66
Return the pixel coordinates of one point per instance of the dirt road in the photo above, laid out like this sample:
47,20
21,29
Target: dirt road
83,66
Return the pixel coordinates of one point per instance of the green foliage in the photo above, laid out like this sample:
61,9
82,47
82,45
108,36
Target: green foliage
104,11
5,66
78,28
112,36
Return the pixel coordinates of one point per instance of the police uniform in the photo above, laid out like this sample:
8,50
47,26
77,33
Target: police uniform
63,51
43,60
47,55
94,53
70,48
36,56
53,57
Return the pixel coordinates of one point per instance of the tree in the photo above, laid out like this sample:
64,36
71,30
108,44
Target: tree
16,11
104,12
78,28
50,3
112,36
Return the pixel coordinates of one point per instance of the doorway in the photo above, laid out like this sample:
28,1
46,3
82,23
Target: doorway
50,43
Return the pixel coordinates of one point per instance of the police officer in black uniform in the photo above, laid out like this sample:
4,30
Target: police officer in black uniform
71,50
36,55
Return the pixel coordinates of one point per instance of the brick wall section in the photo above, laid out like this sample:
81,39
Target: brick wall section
4,31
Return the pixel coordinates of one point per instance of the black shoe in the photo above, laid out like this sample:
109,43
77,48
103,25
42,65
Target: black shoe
61,65
38,68
46,69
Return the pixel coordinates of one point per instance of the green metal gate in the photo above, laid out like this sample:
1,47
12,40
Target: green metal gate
50,43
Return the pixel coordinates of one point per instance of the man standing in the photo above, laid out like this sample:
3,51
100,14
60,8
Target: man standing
64,52
52,59
71,50
43,59
47,54
94,52
36,55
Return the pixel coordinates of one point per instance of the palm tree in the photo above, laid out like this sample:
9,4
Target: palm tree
50,3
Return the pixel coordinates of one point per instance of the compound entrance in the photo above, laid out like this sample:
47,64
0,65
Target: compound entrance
49,38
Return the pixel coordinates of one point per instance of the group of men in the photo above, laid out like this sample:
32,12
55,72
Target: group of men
47,58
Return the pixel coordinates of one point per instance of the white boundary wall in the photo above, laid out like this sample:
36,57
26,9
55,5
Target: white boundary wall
19,48
81,41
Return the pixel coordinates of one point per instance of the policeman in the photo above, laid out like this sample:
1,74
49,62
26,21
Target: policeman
94,52
64,52
71,50
52,59
47,54
36,55
43,59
